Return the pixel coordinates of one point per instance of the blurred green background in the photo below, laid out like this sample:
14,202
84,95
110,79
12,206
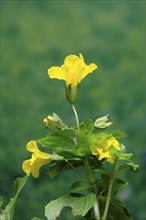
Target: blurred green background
36,35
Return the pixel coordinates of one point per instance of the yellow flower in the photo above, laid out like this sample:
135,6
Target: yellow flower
72,71
48,120
38,159
102,149
54,122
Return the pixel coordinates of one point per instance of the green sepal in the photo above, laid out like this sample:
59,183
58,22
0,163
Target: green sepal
8,212
80,205
71,93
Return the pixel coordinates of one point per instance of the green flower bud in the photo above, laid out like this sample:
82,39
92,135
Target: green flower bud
102,122
54,122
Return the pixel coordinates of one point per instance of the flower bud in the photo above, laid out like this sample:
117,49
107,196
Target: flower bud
54,122
102,122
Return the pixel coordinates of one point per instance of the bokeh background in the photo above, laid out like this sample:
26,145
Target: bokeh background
36,35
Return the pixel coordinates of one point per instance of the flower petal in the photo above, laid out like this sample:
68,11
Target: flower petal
33,158
56,72
72,71
32,146
113,142
88,69
103,154
43,155
26,166
35,169
34,164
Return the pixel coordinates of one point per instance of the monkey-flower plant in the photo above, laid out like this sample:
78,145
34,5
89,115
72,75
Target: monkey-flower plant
90,144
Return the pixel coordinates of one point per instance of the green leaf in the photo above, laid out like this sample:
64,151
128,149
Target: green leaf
124,155
61,138
80,205
117,210
62,166
119,155
35,218
84,142
1,201
87,125
79,186
118,185
55,170
133,166
19,184
103,182
8,213
117,134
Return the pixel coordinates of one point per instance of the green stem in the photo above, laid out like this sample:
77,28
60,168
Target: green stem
89,173
96,210
76,116
94,189
108,198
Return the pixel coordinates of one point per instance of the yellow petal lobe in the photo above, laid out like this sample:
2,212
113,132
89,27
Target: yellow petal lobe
37,160
72,71
32,146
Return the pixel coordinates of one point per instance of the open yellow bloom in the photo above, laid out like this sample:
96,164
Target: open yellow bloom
101,149
72,71
37,160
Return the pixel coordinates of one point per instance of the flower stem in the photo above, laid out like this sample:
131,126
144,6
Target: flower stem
76,116
108,198
94,189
